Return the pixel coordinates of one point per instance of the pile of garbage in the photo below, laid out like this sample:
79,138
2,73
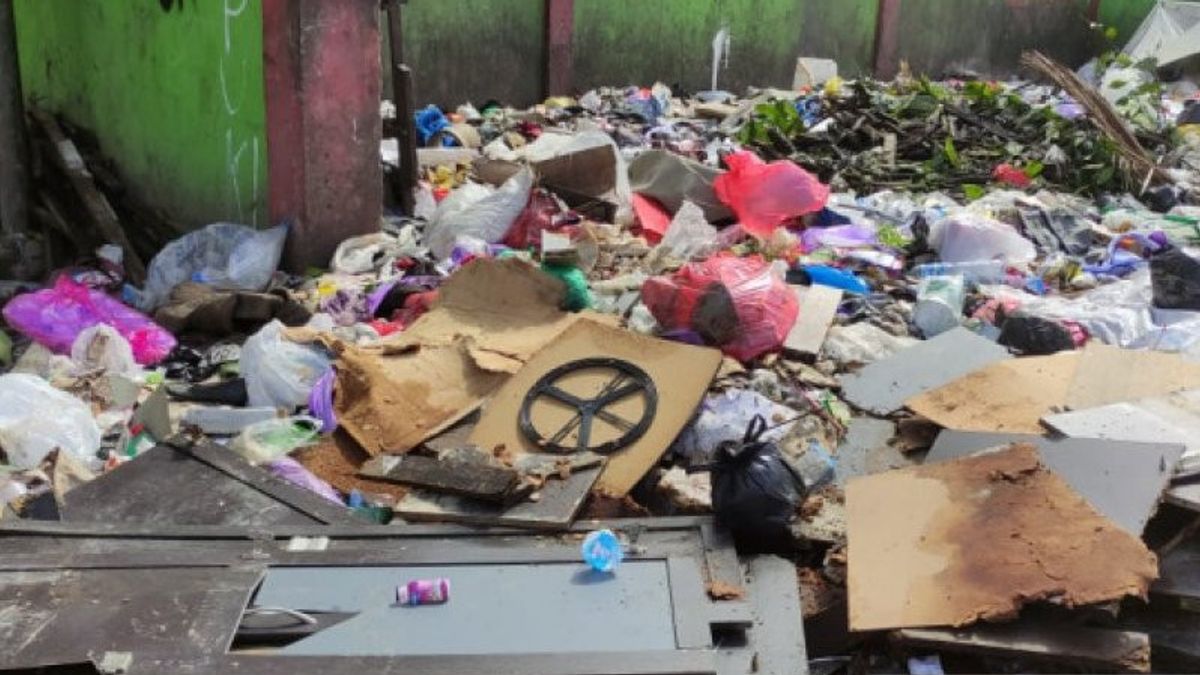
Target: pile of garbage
935,342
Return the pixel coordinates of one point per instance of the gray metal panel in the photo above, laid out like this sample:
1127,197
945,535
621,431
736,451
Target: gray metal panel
1123,480
493,609
58,617
883,386
778,633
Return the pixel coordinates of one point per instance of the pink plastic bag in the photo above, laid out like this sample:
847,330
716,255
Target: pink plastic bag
54,317
764,195
736,304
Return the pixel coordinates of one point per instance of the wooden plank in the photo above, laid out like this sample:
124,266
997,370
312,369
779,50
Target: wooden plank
1110,375
1011,396
1093,649
477,481
68,159
555,508
818,307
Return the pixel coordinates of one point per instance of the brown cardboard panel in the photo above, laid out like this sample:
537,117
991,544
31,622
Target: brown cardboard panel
1010,396
977,538
1110,375
681,374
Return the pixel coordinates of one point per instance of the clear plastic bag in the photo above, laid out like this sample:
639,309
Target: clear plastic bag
968,237
764,195
222,254
54,317
279,372
269,440
36,418
738,304
102,348
472,213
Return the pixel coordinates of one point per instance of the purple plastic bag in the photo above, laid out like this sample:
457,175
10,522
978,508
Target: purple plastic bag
55,316
294,472
320,401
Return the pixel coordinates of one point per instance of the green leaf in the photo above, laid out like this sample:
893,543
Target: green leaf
1034,169
952,153
1111,33
972,191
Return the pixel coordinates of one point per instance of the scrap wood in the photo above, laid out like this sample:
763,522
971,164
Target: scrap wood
477,480
979,538
1137,164
1109,374
681,374
68,159
1093,649
1009,396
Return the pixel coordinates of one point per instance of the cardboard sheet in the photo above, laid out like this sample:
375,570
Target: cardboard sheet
977,538
1010,396
1111,375
681,374
492,315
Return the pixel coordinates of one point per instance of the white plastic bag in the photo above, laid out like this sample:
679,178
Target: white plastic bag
279,372
689,235
269,440
222,254
968,237
36,418
487,217
102,348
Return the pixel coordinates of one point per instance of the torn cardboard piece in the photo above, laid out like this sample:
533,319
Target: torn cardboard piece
1110,375
681,375
1010,396
491,316
978,538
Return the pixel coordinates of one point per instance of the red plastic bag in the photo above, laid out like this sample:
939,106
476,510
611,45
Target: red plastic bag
54,317
736,304
541,213
764,195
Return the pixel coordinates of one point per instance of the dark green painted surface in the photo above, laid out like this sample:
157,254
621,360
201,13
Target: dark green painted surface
474,50
174,97
988,36
1125,16
621,42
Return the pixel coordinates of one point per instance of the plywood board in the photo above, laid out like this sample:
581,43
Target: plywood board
555,508
1011,396
1110,374
818,308
476,480
1124,481
977,538
681,374
881,387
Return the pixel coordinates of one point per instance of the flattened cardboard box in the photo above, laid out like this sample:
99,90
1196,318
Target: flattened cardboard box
681,375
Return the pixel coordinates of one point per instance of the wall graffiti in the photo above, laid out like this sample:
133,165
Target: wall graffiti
238,149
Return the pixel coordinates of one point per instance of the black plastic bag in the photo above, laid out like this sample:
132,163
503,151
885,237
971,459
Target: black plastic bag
1175,277
754,490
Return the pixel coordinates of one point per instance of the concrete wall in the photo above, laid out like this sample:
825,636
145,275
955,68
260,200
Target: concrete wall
173,89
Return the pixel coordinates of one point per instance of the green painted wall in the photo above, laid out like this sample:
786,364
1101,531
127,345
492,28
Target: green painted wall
1125,16
475,50
175,96
621,42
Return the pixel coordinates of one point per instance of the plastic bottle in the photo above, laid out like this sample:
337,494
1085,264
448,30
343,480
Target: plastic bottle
602,550
978,272
423,592
824,275
939,304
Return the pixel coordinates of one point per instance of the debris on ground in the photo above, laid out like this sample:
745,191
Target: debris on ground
935,343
